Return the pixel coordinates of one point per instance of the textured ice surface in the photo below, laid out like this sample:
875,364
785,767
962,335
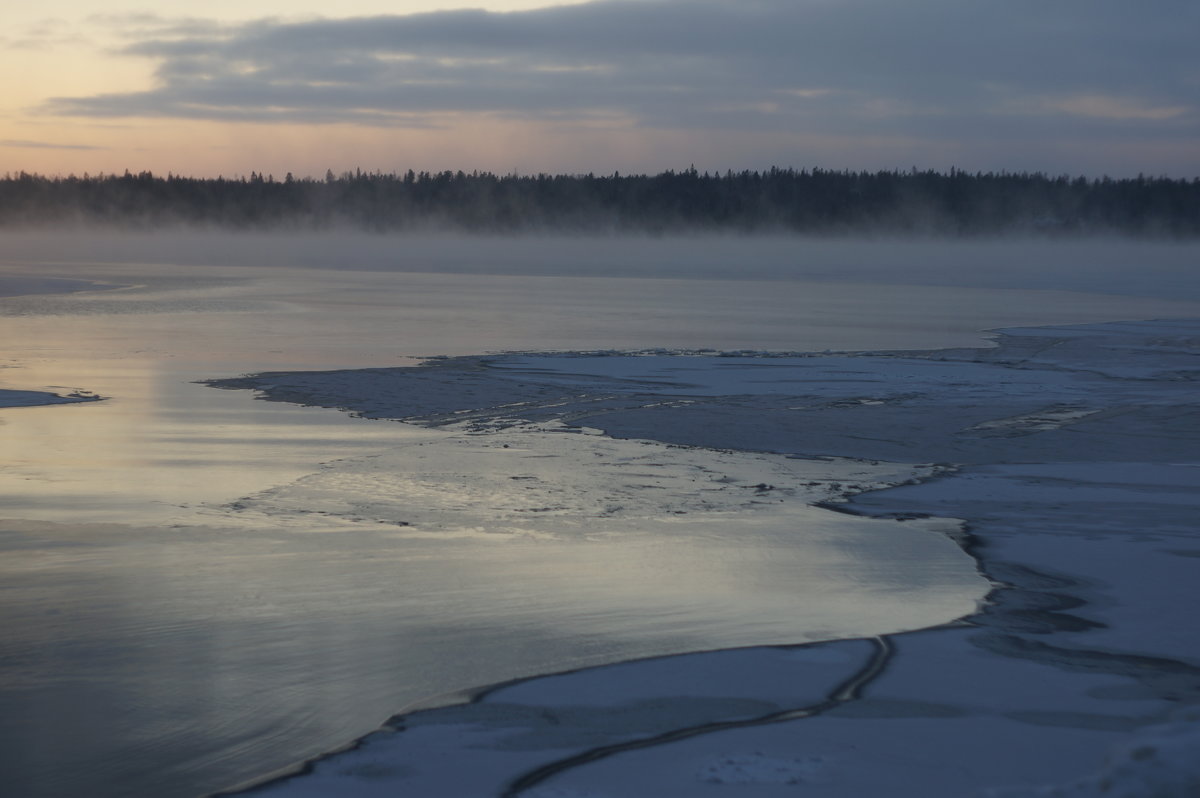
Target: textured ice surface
273,643
1081,501
706,548
1161,761
557,481
10,398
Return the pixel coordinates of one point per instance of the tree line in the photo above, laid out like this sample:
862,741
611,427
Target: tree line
815,201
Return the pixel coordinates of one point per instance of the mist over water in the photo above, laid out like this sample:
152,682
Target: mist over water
157,645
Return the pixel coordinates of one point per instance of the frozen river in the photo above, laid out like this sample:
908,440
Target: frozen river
188,602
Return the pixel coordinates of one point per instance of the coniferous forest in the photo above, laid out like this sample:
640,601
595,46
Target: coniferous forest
777,200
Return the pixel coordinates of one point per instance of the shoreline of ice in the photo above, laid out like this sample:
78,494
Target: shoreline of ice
1077,474
10,398
27,285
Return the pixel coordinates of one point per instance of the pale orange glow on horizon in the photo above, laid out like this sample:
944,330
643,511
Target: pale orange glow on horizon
279,86
67,48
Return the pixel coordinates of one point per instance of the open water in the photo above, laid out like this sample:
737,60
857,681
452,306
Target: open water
153,646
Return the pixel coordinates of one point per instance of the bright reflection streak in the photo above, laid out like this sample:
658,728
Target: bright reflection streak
159,443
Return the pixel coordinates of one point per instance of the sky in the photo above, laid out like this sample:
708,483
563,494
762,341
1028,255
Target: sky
1079,87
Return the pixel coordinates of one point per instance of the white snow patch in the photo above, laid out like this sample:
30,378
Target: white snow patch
758,768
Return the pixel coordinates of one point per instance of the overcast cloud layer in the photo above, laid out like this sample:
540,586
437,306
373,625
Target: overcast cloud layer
949,69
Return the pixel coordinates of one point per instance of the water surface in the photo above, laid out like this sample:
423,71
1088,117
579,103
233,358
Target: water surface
159,643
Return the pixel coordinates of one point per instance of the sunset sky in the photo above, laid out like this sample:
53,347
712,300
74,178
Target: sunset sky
1088,87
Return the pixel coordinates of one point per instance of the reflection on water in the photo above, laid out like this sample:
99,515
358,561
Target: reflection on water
158,443
164,662
152,649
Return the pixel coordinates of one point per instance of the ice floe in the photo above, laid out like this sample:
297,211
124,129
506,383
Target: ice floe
13,398
1075,467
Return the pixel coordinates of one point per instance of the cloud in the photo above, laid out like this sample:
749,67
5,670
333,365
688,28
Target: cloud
138,25
1104,107
45,145
45,35
935,68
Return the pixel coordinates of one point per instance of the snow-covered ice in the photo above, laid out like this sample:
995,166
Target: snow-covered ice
14,398
1070,452
144,591
1159,760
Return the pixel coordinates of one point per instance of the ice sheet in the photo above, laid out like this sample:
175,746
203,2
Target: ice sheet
1082,504
12,398
274,643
